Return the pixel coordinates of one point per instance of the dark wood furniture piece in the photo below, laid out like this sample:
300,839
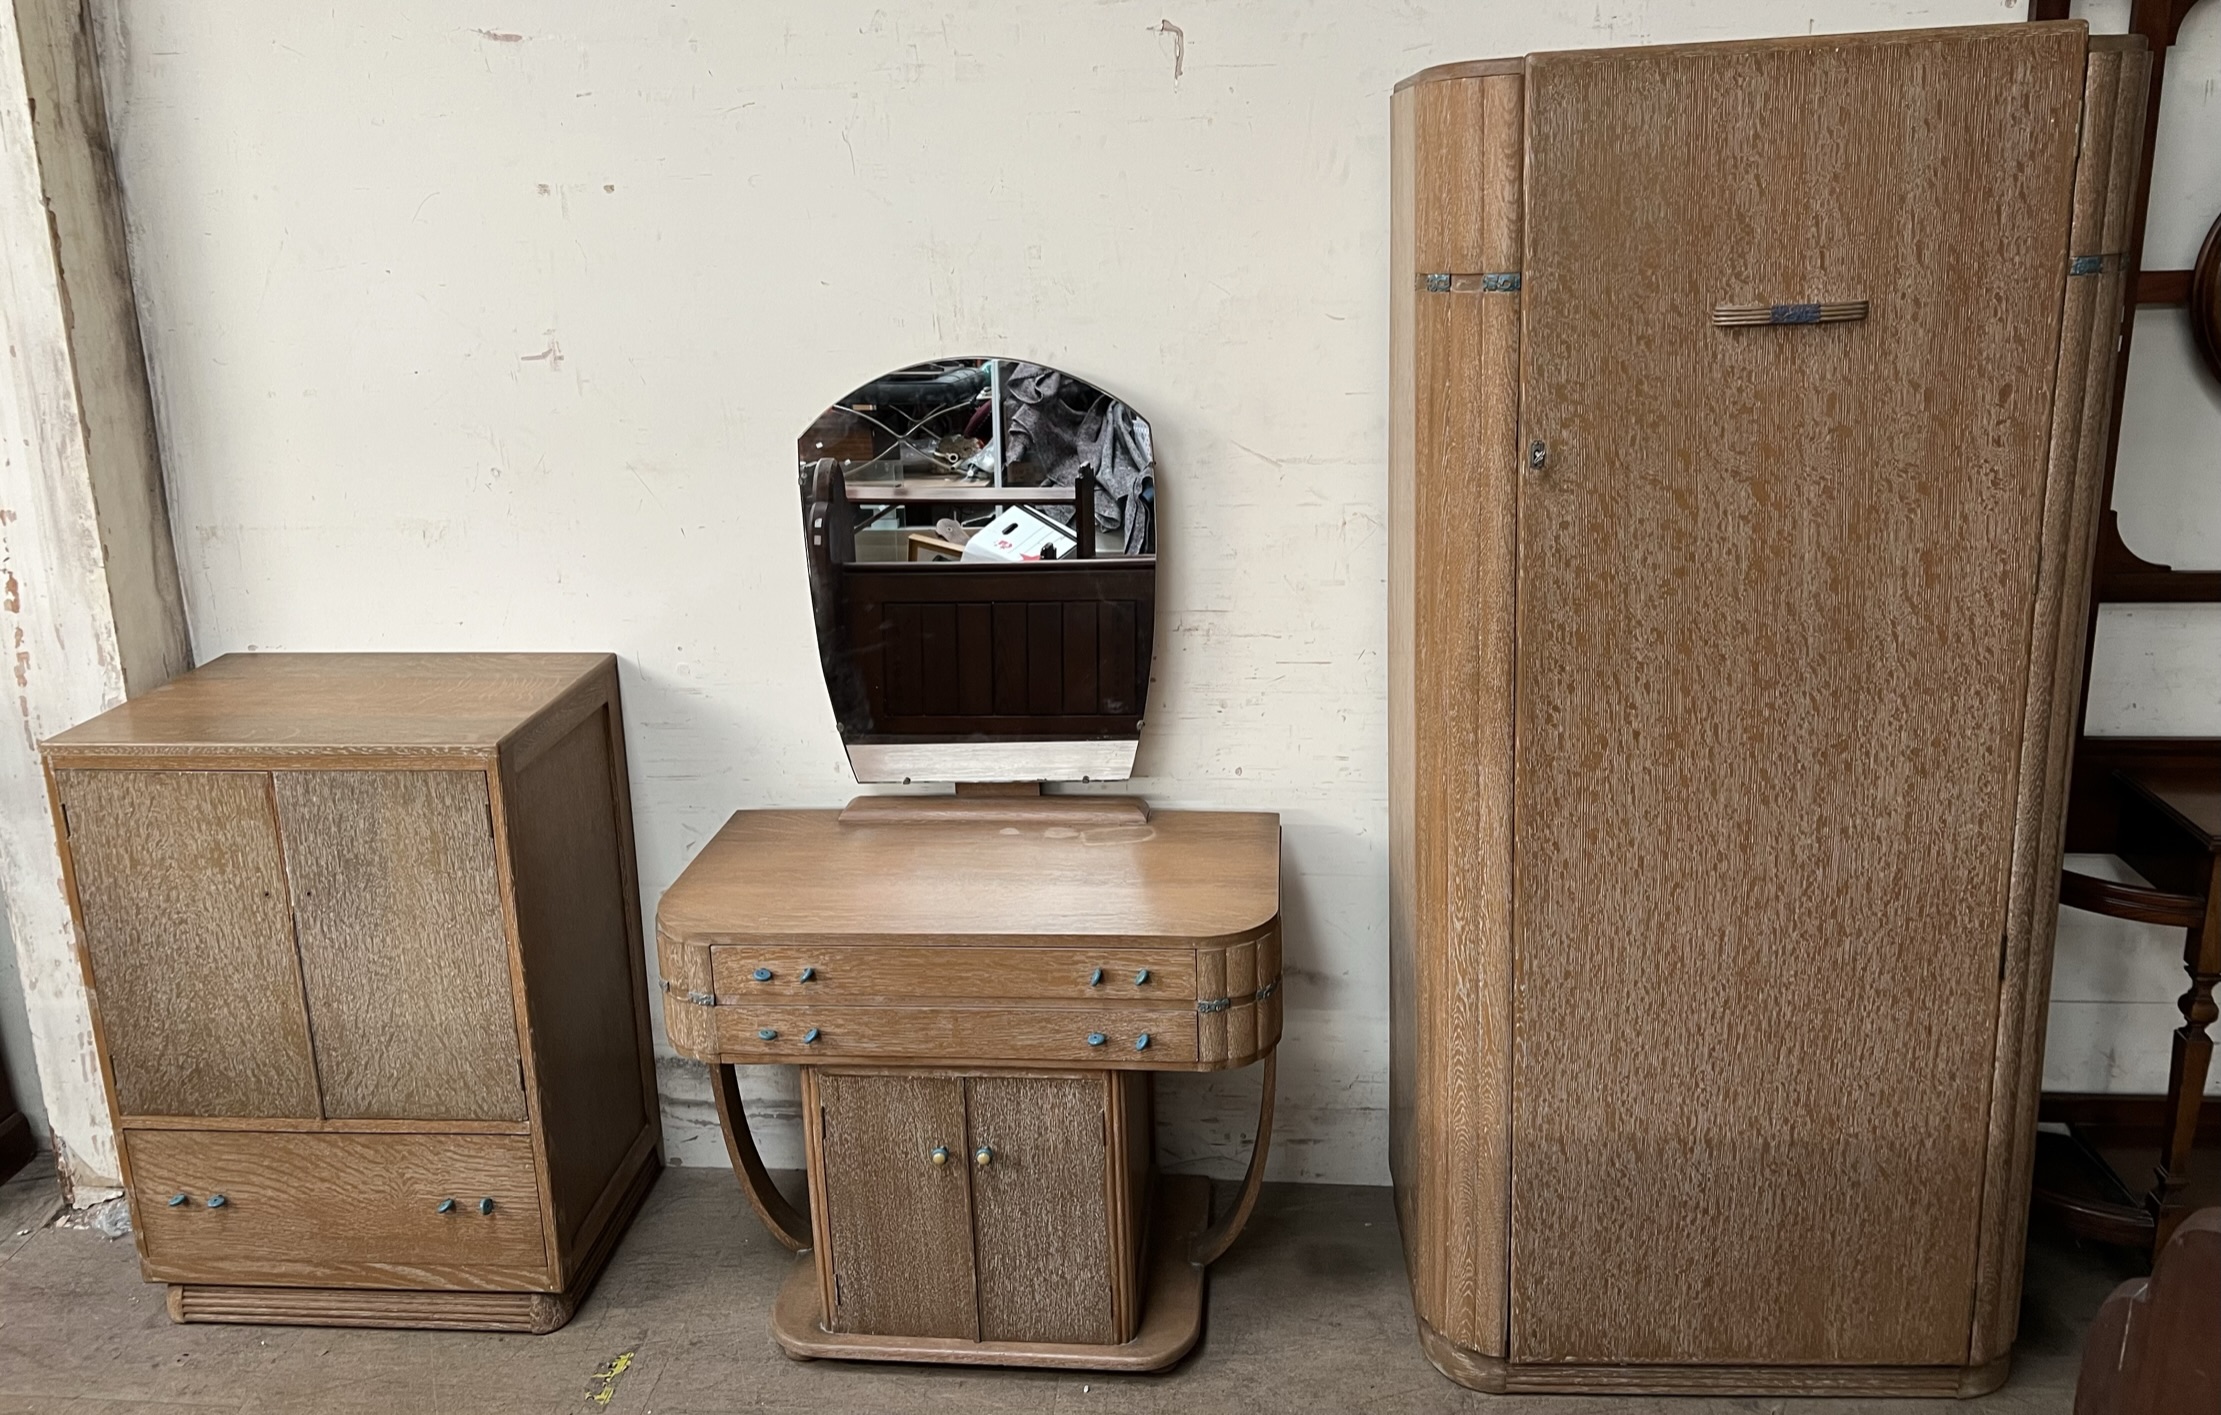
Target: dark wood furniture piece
978,992
17,1143
2166,825
941,671
2155,1348
362,937
1726,605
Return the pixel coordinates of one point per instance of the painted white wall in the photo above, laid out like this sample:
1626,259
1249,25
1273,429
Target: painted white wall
492,325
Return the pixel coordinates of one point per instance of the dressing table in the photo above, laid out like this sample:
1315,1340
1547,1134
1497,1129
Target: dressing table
979,987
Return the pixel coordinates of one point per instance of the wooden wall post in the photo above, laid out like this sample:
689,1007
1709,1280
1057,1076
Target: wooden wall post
90,607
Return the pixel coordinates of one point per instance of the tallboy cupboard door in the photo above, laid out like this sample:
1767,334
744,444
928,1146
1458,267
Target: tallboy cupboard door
181,885
1039,1208
1786,572
899,1227
403,953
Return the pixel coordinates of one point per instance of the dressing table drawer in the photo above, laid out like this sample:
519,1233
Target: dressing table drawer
743,974
1144,1037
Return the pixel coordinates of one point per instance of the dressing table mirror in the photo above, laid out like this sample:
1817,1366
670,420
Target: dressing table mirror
980,984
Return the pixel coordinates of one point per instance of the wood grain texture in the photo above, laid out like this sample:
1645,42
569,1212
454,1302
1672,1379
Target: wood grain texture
1498,1376
2112,130
1454,522
578,952
279,705
788,876
181,896
1786,573
1046,1033
895,973
1172,1313
330,1210
894,1229
532,1313
1040,1225
403,953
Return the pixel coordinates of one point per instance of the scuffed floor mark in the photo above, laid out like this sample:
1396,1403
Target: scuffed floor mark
501,36
1179,46
601,1387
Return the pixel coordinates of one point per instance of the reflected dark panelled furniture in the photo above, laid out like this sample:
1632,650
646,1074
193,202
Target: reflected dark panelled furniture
17,1143
1047,650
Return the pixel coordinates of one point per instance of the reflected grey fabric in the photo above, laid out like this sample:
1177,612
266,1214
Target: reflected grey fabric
1056,424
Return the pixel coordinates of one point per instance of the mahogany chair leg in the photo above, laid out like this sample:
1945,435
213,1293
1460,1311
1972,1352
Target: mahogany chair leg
2192,1055
1211,1244
788,1224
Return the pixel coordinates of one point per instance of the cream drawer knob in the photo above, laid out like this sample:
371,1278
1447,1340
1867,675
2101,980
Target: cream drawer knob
983,1156
940,1154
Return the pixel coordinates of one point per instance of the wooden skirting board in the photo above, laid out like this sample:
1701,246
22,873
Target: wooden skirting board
1172,1312
535,1313
1497,1376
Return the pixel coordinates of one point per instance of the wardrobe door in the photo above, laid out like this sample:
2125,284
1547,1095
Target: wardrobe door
403,951
1775,588
181,894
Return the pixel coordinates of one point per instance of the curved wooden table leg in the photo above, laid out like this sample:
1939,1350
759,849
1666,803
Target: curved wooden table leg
788,1224
1211,1244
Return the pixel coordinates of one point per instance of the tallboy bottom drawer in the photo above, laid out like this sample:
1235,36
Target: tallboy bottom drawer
325,1210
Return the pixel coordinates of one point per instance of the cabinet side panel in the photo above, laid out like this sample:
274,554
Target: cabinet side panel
403,952
1775,593
1040,1230
898,1226
1455,538
575,943
2114,94
181,895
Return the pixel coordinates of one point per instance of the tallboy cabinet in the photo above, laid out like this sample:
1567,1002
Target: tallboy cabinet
362,938
1749,409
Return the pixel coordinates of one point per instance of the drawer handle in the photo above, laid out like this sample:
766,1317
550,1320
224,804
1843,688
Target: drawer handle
768,1034
940,1154
485,1206
1141,977
1094,1039
807,975
447,1206
1095,979
1141,1043
810,1036
217,1201
983,1156
761,975
177,1200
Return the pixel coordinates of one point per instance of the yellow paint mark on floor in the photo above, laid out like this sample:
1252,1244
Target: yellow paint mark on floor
601,1387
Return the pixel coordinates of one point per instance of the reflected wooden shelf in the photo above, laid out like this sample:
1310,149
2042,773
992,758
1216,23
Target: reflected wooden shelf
952,491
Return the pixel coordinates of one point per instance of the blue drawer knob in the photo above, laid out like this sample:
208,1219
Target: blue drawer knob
769,1034
1141,977
1141,1043
807,975
485,1206
761,975
809,1036
447,1206
1095,979
217,1201
176,1200
1094,1039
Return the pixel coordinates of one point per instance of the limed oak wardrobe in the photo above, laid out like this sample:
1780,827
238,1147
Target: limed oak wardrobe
1748,409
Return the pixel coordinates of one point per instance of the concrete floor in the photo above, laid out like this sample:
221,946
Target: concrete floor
1309,1312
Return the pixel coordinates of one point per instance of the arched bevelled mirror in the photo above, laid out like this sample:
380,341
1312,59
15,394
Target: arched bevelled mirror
983,567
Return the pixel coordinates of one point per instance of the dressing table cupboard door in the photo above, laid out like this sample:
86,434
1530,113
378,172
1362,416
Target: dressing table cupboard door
895,1213
403,960
1040,1225
181,885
